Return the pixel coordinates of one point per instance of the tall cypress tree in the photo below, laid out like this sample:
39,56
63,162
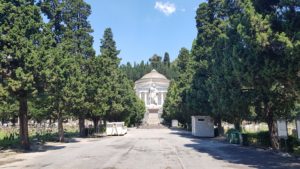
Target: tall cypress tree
267,66
208,26
176,104
67,89
75,16
111,76
21,25
59,62
115,94
166,59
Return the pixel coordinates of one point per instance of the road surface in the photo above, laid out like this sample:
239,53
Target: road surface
149,149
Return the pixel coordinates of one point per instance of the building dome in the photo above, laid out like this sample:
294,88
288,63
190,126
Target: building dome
153,76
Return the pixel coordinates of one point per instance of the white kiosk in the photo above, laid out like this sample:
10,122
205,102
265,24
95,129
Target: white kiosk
282,128
174,123
202,126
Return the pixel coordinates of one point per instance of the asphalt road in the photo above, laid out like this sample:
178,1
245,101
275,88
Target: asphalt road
149,149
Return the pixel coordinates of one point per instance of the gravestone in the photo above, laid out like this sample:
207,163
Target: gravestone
282,128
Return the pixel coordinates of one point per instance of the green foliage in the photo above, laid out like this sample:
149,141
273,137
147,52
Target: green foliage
176,105
23,36
245,64
262,139
136,71
115,99
51,69
258,139
171,103
166,59
8,108
290,144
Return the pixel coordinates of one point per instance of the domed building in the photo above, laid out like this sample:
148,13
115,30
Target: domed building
152,89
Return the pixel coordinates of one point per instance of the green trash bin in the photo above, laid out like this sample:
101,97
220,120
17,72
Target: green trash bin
233,137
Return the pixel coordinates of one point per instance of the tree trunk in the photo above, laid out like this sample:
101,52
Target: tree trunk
96,122
81,127
237,125
219,124
272,128
273,133
61,135
14,120
23,108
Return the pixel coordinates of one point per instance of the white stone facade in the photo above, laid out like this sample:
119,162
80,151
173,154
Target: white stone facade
152,89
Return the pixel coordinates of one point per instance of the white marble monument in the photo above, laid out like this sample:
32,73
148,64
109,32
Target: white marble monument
152,89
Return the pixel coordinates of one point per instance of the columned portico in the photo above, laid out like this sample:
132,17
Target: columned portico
152,89
144,96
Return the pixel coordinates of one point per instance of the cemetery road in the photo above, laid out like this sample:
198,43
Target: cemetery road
150,149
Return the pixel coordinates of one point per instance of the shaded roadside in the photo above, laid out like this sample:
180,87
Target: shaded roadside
250,156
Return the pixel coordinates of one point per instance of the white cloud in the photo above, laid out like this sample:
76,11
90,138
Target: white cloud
167,8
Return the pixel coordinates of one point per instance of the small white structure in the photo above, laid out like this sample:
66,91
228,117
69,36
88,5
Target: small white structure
298,127
202,126
116,129
174,123
282,128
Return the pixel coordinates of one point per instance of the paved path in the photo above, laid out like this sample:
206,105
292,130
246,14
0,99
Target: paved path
150,149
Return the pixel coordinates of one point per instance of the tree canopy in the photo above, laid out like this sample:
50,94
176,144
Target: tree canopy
245,63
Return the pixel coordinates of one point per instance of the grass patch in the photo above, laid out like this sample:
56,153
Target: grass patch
9,138
2,134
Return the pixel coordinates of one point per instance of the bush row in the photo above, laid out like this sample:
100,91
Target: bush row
262,139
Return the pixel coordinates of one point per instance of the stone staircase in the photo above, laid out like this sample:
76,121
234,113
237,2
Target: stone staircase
153,119
152,126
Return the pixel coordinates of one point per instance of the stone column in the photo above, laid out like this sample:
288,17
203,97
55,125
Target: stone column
147,100
144,98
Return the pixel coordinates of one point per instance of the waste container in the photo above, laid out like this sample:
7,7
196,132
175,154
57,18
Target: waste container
233,136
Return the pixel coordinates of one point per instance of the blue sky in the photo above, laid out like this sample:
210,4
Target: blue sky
142,28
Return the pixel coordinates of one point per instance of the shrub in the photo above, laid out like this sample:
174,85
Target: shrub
258,139
290,144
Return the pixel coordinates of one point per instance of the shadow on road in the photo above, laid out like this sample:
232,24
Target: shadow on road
257,158
44,148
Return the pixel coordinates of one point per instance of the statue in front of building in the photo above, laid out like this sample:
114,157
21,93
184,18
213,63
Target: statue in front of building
153,94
